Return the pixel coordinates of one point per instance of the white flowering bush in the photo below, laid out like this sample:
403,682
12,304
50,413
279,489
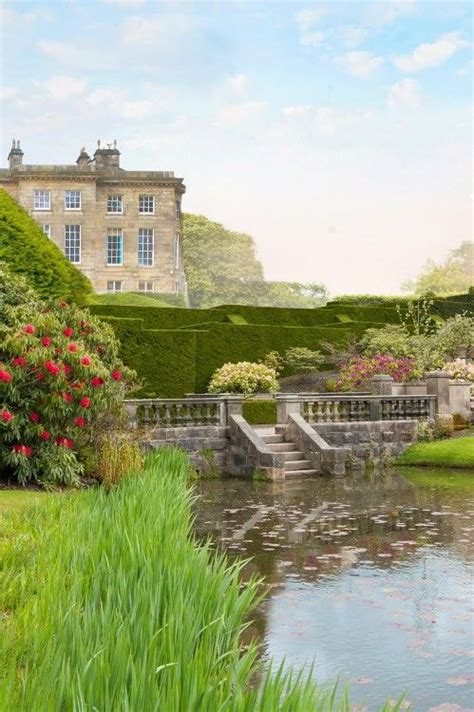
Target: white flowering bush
243,377
460,370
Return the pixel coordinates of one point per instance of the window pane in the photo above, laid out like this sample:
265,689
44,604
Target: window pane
114,204
177,250
42,200
114,286
145,286
146,204
72,199
145,247
114,246
72,243
47,230
178,209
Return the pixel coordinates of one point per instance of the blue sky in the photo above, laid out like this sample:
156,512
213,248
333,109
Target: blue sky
338,134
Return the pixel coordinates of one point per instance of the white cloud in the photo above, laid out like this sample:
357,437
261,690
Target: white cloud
74,56
101,97
311,39
136,109
294,112
8,92
309,17
159,31
63,87
235,113
325,120
405,93
385,12
238,84
352,36
431,54
359,63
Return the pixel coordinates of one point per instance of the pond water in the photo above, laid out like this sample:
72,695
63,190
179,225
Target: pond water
371,577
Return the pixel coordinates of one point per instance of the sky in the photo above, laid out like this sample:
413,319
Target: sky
337,134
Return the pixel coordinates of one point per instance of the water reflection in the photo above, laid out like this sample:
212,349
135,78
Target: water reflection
371,576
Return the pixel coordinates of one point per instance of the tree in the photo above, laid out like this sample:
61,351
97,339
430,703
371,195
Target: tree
27,251
453,276
222,268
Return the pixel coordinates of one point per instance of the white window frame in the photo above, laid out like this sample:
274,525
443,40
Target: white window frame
114,202
42,199
145,202
112,287
114,252
146,251
77,200
177,251
146,283
70,249
47,229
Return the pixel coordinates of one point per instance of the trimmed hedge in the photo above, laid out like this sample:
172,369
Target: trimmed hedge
130,299
26,250
176,351
260,412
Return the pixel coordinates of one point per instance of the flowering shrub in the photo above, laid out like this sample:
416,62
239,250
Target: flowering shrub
357,373
460,369
243,377
59,375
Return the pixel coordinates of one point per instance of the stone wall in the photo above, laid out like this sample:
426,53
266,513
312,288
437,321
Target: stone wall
370,442
206,446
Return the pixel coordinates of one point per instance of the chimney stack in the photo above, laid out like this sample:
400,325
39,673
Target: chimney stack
83,159
15,157
106,158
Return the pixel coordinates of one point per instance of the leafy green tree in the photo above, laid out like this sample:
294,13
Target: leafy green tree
453,276
222,268
27,251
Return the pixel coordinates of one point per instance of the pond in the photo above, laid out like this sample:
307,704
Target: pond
370,577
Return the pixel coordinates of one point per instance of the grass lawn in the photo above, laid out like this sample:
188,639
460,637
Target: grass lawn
13,500
455,452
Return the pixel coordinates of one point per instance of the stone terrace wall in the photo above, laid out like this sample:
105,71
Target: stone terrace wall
371,442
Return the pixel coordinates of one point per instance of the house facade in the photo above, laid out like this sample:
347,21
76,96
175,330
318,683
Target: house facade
121,228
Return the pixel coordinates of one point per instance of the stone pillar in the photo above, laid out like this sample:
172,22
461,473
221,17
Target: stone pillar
437,384
131,410
285,406
381,385
233,406
460,399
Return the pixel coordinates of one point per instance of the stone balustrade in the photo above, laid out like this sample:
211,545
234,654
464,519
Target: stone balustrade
182,412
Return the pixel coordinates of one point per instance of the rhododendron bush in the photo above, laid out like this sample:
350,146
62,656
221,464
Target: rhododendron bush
356,374
243,377
59,376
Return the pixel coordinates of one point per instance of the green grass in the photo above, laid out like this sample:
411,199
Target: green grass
454,452
15,500
110,604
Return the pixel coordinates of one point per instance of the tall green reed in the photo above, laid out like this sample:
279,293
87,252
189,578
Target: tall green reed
112,606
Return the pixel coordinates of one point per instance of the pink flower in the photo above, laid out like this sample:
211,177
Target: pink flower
72,346
96,382
22,450
6,416
46,341
85,402
19,361
68,331
52,367
29,329
68,397
44,435
80,422
116,375
5,376
35,417
85,360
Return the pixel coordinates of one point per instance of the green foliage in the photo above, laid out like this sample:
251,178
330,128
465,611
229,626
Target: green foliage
455,452
301,359
452,276
260,412
118,457
60,377
416,316
27,251
129,299
125,611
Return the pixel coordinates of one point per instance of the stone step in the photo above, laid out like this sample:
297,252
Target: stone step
282,447
295,474
272,438
298,465
294,455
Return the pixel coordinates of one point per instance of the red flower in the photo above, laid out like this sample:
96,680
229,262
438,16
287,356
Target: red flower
68,331
117,375
29,329
46,341
5,376
80,422
19,361
58,351
85,402
68,397
22,450
82,324
35,417
85,360
44,435
67,369
40,377
72,346
6,416
65,442
52,367
96,382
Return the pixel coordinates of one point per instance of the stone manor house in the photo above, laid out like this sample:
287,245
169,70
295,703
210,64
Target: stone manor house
121,228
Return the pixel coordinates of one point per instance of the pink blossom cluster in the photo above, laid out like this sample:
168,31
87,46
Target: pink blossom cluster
357,373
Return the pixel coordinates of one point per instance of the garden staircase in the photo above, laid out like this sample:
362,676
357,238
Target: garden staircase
296,464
